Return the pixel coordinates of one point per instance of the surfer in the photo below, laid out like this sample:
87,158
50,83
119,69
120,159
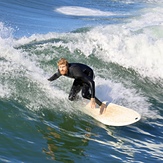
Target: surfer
84,81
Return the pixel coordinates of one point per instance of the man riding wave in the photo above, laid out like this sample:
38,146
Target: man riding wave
84,81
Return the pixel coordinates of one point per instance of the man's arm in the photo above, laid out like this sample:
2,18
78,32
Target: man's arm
55,76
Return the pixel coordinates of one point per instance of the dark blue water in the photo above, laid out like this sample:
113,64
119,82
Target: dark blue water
121,40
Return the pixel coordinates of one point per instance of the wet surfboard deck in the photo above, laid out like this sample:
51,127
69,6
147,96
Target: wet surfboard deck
114,115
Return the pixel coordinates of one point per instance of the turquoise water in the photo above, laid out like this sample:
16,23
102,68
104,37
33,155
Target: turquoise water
122,42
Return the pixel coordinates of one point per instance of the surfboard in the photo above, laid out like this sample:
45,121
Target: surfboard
114,115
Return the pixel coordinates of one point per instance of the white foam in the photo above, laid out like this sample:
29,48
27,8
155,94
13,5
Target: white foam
149,17
81,11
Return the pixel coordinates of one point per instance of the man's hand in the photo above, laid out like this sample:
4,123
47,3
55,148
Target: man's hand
93,103
102,108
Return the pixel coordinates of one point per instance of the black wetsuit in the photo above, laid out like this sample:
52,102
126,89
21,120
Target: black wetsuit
83,76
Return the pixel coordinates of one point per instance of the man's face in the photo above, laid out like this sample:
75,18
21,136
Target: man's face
63,69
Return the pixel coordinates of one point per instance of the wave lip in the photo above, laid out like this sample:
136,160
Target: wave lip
81,11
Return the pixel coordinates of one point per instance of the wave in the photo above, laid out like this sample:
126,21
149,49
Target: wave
131,49
26,67
125,57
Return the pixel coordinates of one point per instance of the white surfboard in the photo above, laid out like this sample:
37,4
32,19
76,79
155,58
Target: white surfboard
114,115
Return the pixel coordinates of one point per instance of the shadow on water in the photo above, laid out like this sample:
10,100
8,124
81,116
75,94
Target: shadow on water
66,140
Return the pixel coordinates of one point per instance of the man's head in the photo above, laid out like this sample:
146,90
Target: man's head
63,66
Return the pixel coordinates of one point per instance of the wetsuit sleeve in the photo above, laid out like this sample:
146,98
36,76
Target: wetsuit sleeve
55,76
86,79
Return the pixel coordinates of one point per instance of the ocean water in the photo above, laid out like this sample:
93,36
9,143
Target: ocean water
122,40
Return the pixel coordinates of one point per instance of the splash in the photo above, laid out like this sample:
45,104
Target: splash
22,77
117,93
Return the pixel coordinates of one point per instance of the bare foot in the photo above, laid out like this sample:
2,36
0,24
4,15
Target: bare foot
102,108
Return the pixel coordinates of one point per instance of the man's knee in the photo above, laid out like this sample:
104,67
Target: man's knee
71,97
74,91
86,95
